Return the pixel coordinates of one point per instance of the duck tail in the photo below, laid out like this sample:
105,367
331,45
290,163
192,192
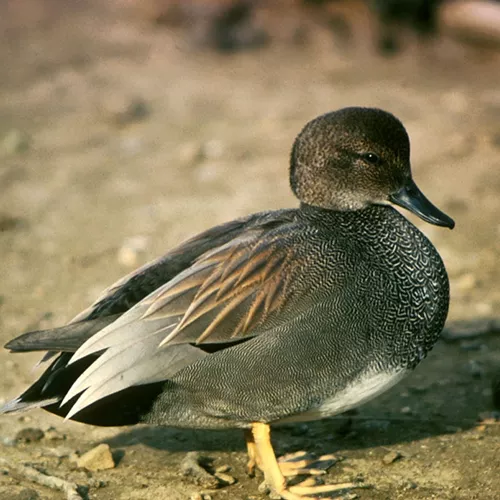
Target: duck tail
126,407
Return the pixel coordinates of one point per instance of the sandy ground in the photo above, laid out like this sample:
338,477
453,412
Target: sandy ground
118,141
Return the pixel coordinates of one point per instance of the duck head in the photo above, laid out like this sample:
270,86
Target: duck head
355,157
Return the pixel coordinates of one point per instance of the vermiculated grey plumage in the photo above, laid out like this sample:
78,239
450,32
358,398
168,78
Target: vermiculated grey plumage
277,316
378,294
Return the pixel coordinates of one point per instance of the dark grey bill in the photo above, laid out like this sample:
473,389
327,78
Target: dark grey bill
411,198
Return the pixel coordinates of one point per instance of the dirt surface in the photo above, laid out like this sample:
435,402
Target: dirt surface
118,141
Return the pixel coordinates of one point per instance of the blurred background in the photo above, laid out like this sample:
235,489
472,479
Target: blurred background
127,126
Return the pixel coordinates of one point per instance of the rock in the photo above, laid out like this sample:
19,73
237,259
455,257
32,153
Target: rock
222,468
129,252
8,441
52,434
200,496
465,283
122,110
192,153
391,457
406,410
29,435
59,452
212,149
96,459
225,479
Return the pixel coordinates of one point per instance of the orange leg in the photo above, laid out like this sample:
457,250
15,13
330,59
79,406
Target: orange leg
265,459
253,457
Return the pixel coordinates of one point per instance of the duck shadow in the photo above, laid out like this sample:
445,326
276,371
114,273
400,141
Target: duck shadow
441,398
327,436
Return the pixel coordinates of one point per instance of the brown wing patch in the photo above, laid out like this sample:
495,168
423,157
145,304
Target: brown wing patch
227,293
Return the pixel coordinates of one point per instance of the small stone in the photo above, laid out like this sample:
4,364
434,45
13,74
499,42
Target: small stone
196,496
52,434
8,441
349,496
483,308
406,410
212,149
59,452
190,153
410,485
96,459
128,254
29,435
225,479
123,110
465,283
391,457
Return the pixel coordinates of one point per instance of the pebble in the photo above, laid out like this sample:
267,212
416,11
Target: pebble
123,110
350,496
8,441
59,452
191,153
131,249
465,283
406,410
96,459
391,457
212,149
200,496
225,479
52,434
222,468
410,485
29,435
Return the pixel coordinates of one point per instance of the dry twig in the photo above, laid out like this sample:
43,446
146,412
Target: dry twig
31,474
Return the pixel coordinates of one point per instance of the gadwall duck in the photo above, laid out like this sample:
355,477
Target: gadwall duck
283,316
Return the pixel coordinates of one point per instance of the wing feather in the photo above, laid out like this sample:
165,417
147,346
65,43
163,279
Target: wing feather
228,292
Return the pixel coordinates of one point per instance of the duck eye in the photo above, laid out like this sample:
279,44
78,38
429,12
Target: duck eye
371,158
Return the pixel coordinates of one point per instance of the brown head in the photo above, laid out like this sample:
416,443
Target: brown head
354,157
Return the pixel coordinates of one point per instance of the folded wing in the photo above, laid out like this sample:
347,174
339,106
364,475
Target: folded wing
230,293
